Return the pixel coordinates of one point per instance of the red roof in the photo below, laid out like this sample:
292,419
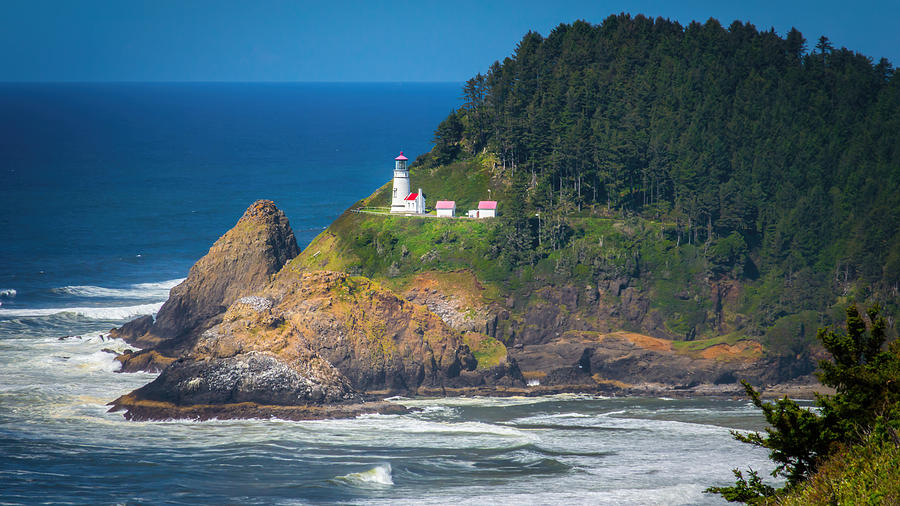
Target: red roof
445,204
412,196
487,204
401,157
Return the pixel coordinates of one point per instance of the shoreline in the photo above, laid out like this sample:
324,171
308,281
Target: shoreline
140,410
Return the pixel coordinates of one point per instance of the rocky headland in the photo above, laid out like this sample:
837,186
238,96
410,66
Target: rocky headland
251,334
244,335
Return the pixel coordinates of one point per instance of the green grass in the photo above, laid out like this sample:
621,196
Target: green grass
488,351
702,344
462,182
388,246
465,182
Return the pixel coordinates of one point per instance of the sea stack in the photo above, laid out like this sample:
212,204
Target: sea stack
241,261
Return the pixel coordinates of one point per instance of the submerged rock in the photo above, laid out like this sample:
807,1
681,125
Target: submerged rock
143,361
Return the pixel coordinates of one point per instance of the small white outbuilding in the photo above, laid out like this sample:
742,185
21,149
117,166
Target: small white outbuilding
415,202
487,209
446,208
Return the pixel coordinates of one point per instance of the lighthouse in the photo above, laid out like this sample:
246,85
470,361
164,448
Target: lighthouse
401,184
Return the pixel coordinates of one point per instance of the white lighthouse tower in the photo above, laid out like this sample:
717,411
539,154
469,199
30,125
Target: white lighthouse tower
401,184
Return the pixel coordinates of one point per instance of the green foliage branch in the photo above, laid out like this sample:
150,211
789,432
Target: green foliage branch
866,379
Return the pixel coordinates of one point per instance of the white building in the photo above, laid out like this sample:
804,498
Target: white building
487,209
415,203
446,208
402,201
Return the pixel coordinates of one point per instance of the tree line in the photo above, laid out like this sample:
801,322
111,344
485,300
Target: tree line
740,138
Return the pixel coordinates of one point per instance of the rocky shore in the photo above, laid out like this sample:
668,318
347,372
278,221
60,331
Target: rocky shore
250,335
244,335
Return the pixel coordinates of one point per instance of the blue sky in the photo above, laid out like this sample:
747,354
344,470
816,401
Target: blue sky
226,40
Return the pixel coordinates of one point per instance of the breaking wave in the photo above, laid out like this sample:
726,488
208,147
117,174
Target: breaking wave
378,476
158,290
8,292
97,361
94,313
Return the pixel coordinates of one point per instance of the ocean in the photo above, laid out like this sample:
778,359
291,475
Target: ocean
110,192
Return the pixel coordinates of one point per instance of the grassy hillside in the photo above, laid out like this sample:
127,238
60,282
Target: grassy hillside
627,272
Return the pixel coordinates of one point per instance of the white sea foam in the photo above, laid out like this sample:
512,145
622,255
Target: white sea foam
413,426
98,361
158,290
554,493
617,421
494,401
94,313
569,415
378,476
442,410
8,292
685,493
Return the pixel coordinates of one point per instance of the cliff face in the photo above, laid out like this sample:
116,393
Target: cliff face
313,340
241,261
377,341
566,331
251,333
570,337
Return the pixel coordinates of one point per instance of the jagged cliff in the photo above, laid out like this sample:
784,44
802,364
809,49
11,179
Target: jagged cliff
297,344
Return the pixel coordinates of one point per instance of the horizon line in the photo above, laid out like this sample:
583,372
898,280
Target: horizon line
222,82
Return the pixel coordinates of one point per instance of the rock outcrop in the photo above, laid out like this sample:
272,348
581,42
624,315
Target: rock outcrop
251,334
241,261
255,377
630,359
298,344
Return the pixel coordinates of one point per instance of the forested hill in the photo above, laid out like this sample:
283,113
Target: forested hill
779,160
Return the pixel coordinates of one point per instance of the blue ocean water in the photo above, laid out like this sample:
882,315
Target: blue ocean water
109,193
112,185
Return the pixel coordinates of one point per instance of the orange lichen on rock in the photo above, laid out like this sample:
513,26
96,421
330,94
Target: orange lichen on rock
741,349
608,382
646,342
639,340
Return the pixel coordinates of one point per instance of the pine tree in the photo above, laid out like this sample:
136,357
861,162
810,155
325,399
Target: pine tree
867,382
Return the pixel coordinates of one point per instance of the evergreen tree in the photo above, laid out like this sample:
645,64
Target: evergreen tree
866,379
447,138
